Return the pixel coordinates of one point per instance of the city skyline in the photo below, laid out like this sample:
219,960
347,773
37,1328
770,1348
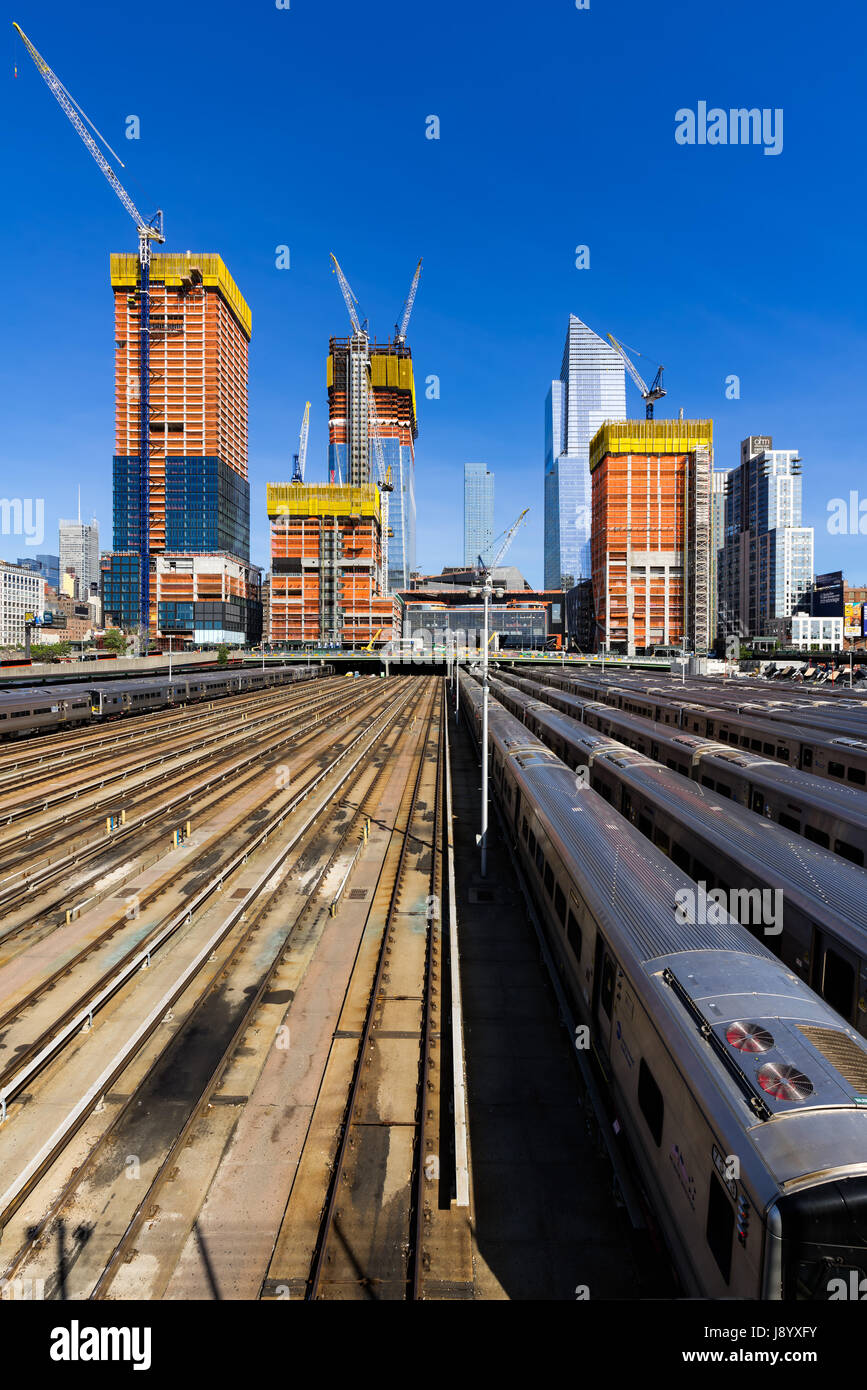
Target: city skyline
732,303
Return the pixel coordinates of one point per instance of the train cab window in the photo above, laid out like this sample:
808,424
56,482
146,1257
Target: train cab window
838,983
817,836
573,934
650,1102
836,770
790,822
856,774
560,904
720,1226
524,828
531,844
848,851
549,880
680,857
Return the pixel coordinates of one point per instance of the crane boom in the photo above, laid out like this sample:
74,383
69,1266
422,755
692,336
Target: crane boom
507,541
649,394
148,231
349,297
301,456
401,328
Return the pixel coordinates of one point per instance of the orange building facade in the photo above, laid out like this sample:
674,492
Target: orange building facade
326,565
650,533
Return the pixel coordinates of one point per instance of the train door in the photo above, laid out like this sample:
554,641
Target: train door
834,974
604,981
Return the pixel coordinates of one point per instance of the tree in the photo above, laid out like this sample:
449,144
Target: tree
222,655
114,641
47,651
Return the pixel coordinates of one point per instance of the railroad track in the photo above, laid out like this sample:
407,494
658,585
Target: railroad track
209,1018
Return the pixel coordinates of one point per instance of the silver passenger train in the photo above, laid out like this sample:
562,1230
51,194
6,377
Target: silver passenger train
743,1095
44,709
838,756
825,813
808,906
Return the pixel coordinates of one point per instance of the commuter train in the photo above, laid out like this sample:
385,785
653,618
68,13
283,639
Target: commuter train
44,709
743,1095
809,908
839,757
825,813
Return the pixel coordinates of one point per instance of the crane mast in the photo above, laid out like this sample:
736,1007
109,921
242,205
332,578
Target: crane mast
148,231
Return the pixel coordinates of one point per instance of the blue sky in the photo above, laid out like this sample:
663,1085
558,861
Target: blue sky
306,127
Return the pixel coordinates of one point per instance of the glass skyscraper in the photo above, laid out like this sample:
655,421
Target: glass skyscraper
478,512
591,390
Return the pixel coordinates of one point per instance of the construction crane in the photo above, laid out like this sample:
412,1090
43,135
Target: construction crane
400,329
148,231
508,537
649,394
301,457
384,481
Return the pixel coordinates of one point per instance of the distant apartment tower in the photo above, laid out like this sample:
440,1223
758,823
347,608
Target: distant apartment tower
21,593
651,533
47,566
79,553
717,542
591,390
199,491
767,561
326,565
352,456
478,512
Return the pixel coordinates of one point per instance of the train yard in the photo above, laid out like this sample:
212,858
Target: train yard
267,1033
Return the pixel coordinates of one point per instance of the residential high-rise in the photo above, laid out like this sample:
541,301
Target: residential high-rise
478,512
652,533
353,363
21,592
591,390
200,330
79,553
767,561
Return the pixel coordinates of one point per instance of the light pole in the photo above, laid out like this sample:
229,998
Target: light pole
486,590
170,657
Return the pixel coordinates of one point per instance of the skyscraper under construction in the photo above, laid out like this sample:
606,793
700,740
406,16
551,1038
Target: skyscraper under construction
351,442
203,587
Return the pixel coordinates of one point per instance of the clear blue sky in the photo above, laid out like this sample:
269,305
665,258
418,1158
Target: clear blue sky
306,126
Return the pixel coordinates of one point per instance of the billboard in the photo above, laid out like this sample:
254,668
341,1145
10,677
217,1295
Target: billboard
827,599
853,621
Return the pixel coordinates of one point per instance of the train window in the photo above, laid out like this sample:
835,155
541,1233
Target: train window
606,993
669,762
790,822
723,735
782,753
755,744
723,789
838,983
559,903
709,728
531,844
707,782
701,874
806,757
720,1226
680,857
817,836
856,774
757,803
836,770
848,851
660,838
549,880
684,771
540,858
650,1102
654,751
573,934
524,828
645,826
768,748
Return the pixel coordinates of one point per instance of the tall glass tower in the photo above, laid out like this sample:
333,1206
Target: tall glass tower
591,390
478,512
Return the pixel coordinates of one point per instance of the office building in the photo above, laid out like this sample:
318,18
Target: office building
651,534
767,563
591,390
47,566
198,483
478,512
717,542
354,364
22,593
79,556
327,565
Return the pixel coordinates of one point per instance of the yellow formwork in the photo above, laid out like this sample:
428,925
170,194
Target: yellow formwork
649,437
172,267
322,499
